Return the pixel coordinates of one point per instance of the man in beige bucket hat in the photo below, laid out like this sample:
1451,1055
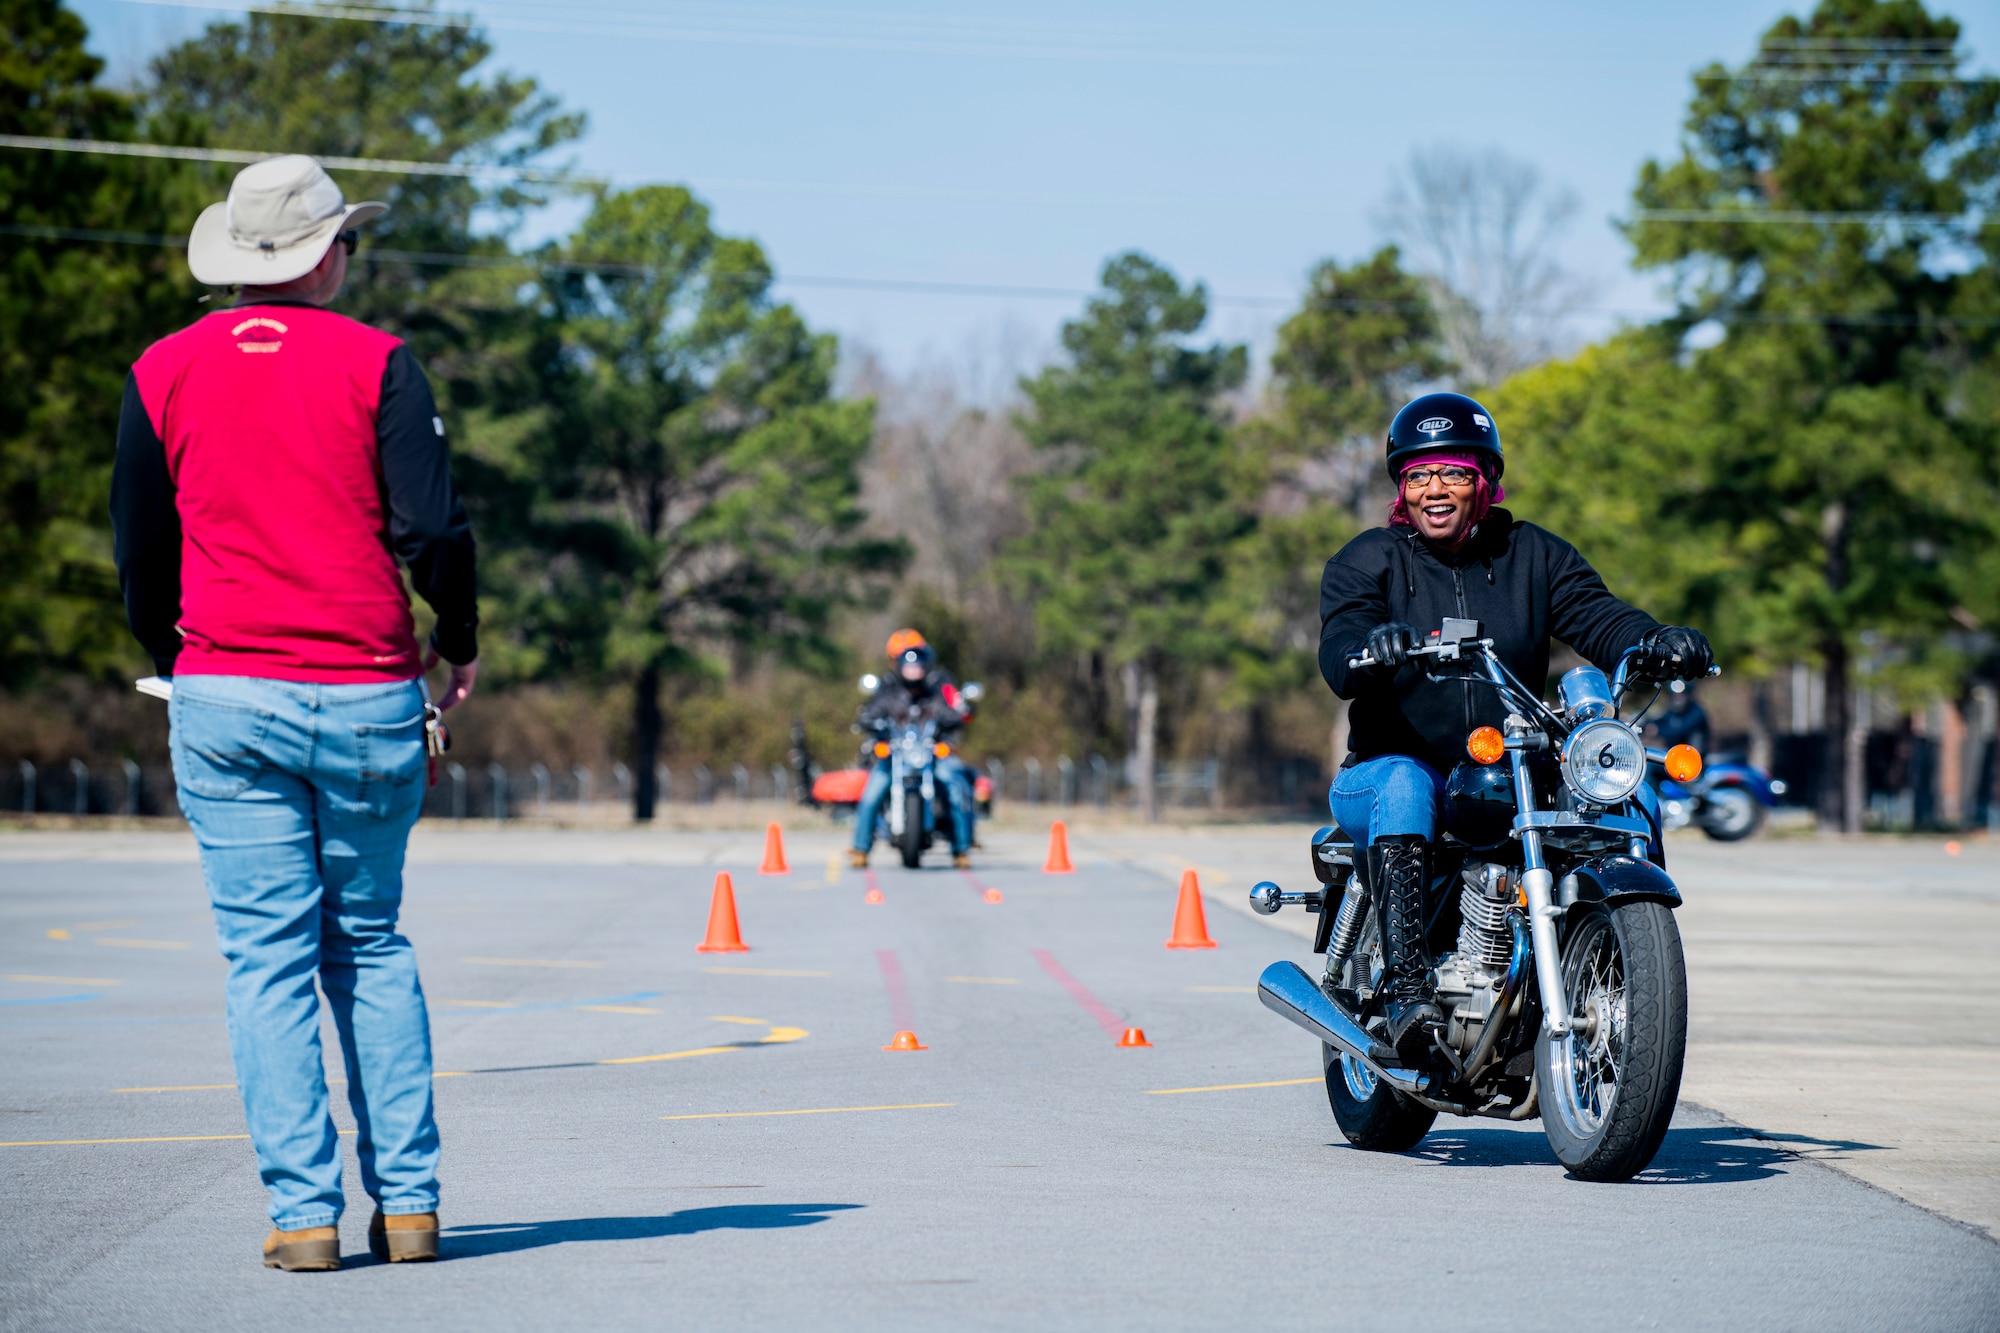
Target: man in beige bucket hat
275,462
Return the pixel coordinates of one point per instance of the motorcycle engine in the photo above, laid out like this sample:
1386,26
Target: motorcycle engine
1469,981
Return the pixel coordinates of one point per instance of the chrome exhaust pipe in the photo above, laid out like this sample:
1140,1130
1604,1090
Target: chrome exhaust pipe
1287,991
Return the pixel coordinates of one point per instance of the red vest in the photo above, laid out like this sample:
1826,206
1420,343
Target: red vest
268,416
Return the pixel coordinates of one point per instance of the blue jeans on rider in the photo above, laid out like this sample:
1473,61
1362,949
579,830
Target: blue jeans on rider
1386,796
301,798
876,794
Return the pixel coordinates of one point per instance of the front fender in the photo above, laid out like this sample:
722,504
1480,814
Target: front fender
1616,878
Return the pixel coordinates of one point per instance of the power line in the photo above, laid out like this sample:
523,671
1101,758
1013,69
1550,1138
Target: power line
921,287
390,166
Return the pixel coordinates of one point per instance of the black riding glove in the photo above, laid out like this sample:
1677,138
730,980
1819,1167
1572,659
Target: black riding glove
1390,644
1679,651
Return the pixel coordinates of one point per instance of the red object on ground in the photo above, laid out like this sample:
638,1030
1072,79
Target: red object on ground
1058,862
840,787
905,1041
1190,922
1134,1037
774,852
723,934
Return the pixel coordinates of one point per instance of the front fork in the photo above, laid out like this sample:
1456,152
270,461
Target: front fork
1538,884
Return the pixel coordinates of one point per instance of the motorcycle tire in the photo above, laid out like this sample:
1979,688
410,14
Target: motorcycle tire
1730,814
911,844
1373,1116
1608,1087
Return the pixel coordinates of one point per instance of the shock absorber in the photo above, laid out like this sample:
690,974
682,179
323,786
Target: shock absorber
1346,926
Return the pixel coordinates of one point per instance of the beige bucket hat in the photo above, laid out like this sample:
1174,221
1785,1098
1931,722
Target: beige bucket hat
281,216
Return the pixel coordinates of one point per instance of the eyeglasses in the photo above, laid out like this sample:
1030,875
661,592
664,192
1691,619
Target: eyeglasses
348,240
1419,478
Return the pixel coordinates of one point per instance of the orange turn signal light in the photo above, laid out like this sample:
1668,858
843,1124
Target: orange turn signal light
940,749
1683,763
1486,745
881,749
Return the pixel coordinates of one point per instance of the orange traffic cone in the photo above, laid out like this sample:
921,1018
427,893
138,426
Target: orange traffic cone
723,935
774,852
905,1041
873,897
1190,922
992,896
1058,862
1134,1037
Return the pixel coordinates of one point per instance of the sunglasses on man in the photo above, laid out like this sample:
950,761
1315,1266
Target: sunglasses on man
349,239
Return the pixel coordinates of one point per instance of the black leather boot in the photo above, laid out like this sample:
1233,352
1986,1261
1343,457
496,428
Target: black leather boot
1400,867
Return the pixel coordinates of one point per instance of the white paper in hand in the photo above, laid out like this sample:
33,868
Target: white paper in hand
160,687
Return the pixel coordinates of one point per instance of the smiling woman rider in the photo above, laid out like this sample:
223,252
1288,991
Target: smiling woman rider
1447,551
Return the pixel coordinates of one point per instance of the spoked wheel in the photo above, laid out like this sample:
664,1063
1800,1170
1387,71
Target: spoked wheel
1730,814
911,844
1608,1085
1372,1115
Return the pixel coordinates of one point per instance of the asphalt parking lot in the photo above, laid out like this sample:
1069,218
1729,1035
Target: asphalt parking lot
639,1135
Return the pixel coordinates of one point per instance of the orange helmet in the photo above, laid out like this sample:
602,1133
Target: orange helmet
903,640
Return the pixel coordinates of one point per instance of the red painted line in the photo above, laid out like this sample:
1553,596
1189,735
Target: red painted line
1079,992
986,892
874,894
901,1016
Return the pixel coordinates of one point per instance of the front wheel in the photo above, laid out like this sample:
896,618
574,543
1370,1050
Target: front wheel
1730,814
1609,1085
911,844
1373,1115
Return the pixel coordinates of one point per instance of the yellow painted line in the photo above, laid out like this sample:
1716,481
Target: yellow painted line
107,925
617,1009
763,972
58,934
529,962
164,1138
1232,1087
451,1073
987,981
731,1018
833,860
779,1035
670,1055
181,1087
1225,990
817,1110
66,981
144,944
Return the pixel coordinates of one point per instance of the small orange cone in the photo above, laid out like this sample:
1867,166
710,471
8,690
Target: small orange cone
905,1041
723,935
1134,1037
1190,922
1058,862
993,896
872,897
774,852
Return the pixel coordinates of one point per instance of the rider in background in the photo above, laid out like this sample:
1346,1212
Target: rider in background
1446,551
1686,723
916,690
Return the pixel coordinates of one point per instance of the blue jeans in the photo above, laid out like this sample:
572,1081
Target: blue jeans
958,790
1385,796
301,798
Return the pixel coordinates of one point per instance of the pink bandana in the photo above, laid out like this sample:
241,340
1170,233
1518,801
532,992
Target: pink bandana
1485,494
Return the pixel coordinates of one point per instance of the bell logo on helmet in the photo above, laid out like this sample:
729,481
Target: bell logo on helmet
1432,424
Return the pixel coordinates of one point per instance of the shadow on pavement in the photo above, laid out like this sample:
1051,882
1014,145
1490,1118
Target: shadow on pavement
1694,1155
468,1242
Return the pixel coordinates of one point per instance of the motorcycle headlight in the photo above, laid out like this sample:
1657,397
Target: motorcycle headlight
1604,761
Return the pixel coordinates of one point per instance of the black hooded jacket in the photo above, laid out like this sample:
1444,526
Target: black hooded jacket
1524,583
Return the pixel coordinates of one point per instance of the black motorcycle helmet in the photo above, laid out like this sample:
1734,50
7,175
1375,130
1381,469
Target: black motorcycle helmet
1444,421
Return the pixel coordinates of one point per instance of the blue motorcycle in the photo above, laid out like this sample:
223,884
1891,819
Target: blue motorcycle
1728,801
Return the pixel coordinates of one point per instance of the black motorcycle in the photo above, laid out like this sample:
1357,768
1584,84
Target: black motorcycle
1559,873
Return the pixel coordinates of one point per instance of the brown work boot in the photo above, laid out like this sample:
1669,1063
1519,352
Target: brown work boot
406,1238
310,1250
859,860
961,860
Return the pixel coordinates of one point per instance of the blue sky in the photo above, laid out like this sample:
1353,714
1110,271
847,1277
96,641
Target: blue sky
1024,143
